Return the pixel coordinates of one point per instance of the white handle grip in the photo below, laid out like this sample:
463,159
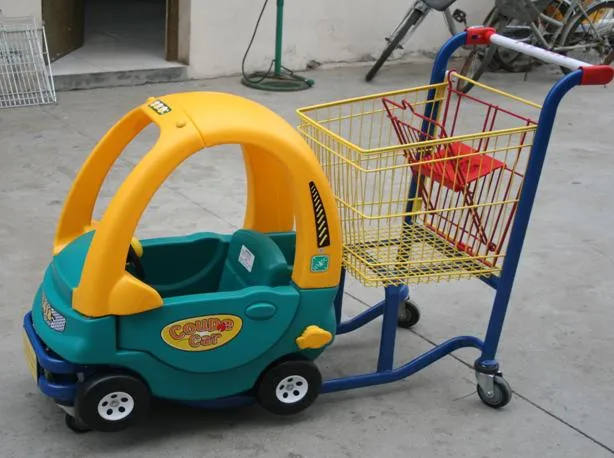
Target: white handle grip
539,53
591,74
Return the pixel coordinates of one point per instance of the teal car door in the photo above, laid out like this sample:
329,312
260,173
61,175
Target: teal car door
215,331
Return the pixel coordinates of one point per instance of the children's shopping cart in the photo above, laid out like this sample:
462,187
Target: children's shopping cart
434,185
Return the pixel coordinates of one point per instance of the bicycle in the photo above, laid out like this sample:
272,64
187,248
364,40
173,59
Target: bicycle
412,20
561,26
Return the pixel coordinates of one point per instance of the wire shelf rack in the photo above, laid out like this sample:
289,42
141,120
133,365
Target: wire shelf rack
26,77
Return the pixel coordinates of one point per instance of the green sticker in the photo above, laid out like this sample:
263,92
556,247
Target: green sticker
319,263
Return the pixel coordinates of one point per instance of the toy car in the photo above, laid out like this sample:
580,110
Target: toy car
201,317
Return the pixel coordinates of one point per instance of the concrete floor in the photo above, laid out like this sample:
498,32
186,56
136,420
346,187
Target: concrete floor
556,350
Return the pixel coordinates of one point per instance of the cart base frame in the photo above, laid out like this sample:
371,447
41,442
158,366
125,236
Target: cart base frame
385,372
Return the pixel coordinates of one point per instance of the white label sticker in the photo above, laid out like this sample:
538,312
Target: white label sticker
246,258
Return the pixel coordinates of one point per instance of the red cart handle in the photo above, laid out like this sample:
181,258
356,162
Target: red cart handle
591,74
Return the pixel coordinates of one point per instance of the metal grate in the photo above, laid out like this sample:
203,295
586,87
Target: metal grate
25,74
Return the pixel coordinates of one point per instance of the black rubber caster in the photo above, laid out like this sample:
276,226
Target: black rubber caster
112,402
501,395
76,425
409,314
289,387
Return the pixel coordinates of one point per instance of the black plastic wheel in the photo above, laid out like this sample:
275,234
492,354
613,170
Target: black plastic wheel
112,402
76,425
409,314
394,42
501,396
289,387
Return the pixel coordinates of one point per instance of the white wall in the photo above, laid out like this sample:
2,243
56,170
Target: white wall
324,30
215,33
184,30
21,8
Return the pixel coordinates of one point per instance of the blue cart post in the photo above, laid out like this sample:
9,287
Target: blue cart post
380,231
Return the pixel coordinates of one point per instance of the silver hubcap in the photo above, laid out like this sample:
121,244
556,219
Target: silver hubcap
115,406
292,389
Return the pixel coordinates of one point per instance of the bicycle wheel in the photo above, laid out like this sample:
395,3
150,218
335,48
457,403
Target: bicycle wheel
517,62
590,37
480,57
412,19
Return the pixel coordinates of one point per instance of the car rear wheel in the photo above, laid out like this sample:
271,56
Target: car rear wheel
112,402
289,387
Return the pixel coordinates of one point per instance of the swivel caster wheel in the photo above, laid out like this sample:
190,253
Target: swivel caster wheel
76,425
409,314
496,395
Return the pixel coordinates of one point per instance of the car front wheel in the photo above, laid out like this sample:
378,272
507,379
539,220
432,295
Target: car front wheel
112,402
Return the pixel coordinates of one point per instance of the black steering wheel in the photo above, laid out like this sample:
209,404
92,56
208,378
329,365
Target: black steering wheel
134,261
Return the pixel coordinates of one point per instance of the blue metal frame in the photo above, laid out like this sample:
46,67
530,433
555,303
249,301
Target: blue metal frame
502,285
394,295
521,221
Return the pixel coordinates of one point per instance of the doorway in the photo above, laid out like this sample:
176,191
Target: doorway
95,36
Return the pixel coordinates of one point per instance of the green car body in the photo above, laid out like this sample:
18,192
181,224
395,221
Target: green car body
198,285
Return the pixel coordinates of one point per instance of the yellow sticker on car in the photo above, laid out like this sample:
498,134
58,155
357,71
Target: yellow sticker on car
30,355
202,333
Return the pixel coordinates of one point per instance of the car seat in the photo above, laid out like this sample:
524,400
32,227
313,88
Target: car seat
254,259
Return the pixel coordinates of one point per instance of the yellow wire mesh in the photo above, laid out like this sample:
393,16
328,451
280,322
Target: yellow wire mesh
420,199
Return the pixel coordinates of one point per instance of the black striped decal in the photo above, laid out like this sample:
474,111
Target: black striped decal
322,234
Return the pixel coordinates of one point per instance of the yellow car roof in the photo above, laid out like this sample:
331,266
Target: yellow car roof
286,185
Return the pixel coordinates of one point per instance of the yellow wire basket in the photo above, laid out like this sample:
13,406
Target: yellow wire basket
427,179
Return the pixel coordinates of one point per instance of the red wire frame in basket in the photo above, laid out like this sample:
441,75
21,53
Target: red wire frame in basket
470,195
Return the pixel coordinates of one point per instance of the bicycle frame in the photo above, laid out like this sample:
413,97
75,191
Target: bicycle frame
426,10
533,30
594,29
574,7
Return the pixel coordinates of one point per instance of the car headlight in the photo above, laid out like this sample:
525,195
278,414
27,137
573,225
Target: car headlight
52,317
